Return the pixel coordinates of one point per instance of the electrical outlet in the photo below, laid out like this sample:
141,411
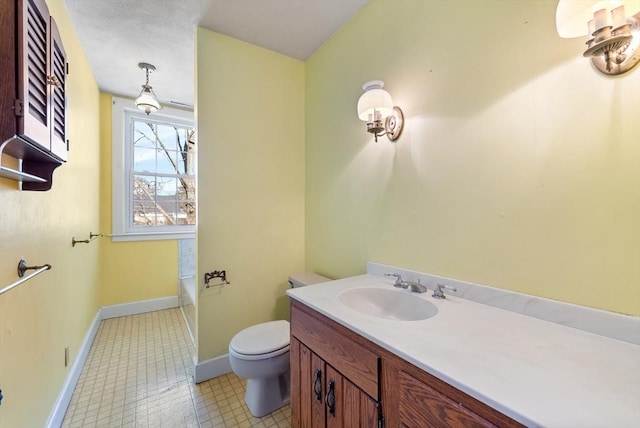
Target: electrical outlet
66,355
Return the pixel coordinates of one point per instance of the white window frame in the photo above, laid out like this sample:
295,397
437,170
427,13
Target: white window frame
122,228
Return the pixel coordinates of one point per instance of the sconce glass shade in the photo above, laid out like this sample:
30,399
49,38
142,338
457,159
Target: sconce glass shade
612,30
572,16
147,101
376,108
375,99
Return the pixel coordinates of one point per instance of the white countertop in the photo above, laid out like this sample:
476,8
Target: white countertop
537,372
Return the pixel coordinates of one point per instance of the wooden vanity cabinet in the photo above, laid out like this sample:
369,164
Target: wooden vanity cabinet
334,379
33,63
373,387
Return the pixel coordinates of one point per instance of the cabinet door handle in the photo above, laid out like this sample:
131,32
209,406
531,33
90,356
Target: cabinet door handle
331,399
317,385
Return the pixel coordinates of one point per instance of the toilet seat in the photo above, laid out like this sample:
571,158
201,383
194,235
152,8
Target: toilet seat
261,341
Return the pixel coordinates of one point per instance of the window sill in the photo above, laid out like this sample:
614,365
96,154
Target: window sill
152,236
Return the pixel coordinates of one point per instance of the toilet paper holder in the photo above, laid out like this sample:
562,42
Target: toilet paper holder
208,276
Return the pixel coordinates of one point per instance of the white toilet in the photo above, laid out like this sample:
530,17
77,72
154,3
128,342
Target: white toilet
260,354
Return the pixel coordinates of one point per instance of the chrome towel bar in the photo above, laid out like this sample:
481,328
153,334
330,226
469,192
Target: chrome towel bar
22,268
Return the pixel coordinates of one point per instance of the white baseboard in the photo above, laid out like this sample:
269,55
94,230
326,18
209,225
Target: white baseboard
64,398
214,367
140,307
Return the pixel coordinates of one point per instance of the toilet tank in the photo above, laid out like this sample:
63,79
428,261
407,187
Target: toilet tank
306,278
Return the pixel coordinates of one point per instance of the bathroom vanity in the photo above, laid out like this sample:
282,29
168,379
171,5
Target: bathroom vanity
339,378
466,364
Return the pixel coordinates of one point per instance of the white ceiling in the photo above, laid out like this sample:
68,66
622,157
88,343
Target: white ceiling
118,34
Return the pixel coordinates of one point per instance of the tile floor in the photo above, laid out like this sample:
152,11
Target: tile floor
139,374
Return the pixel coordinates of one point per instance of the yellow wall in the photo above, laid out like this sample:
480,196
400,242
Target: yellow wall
250,116
519,166
39,318
129,271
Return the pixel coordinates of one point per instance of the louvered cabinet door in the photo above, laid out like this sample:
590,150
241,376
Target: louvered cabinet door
33,71
57,94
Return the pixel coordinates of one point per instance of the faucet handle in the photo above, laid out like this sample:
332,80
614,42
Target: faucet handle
398,277
438,293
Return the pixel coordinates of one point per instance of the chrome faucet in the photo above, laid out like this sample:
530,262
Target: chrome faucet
399,282
438,293
414,287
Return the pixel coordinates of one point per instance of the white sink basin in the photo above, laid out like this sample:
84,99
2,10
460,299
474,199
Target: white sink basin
400,305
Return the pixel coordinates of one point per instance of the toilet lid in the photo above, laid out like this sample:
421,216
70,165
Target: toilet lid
262,338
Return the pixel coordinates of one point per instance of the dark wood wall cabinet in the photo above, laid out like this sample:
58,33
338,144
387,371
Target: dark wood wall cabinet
341,379
33,119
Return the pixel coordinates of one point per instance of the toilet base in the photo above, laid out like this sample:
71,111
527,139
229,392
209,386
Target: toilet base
264,395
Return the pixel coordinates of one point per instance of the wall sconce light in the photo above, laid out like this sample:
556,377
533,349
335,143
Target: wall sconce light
614,38
147,100
376,108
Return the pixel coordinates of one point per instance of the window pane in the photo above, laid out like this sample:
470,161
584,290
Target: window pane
191,160
186,189
168,137
182,162
143,134
187,213
144,213
166,162
166,187
144,159
144,187
168,210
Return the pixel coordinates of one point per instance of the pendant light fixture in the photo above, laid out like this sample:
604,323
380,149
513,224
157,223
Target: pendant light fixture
147,100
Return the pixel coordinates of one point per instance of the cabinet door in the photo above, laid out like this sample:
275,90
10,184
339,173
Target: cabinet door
423,406
34,66
307,387
57,94
322,397
8,58
347,406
